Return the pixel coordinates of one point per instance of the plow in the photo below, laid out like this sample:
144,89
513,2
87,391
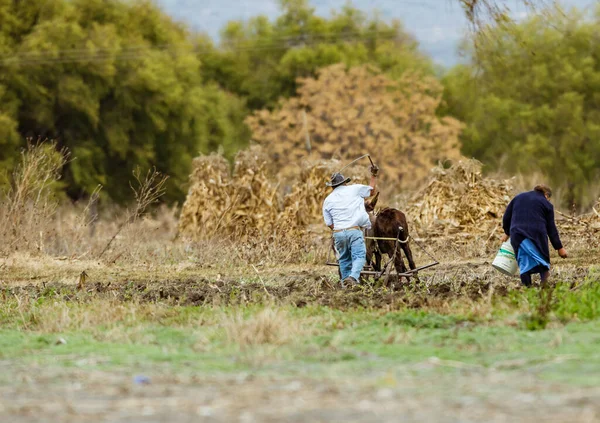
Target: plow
386,269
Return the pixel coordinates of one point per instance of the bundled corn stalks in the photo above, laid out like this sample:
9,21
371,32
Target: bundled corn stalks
208,196
459,199
254,207
303,205
236,205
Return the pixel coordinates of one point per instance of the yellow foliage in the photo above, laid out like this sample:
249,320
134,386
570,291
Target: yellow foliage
357,111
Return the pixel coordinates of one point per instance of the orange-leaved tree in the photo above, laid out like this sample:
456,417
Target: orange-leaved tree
345,113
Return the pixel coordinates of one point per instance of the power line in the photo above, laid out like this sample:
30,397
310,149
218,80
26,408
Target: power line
135,52
226,43
75,55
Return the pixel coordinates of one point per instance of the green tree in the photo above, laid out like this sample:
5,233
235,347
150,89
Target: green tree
532,103
117,83
9,136
261,60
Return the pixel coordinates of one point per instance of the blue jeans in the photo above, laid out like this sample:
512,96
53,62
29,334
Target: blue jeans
351,247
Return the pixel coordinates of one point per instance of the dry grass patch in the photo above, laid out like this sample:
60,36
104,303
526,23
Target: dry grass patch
268,326
53,316
135,322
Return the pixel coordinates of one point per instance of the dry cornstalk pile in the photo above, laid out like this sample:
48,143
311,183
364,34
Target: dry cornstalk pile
240,204
208,194
247,202
303,204
459,199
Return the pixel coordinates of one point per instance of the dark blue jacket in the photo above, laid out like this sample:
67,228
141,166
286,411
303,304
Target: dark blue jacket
530,215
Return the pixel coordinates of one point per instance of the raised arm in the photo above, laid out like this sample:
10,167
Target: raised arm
373,182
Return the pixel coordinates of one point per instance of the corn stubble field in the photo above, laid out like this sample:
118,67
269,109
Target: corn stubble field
225,311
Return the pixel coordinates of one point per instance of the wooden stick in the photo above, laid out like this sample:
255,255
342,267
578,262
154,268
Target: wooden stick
492,234
410,272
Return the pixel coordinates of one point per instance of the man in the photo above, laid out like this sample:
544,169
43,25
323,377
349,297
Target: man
529,222
344,212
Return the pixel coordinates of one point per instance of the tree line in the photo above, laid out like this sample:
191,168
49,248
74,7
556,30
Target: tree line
530,100
120,84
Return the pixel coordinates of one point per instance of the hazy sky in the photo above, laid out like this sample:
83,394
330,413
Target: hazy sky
438,25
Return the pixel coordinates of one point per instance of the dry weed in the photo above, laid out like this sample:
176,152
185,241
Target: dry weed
27,208
146,192
73,228
31,219
268,326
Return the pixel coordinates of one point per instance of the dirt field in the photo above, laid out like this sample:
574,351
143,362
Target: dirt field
461,396
160,330
287,344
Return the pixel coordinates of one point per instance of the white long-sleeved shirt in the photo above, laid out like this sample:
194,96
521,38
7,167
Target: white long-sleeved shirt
345,207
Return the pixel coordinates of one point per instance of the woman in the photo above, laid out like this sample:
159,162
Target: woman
529,222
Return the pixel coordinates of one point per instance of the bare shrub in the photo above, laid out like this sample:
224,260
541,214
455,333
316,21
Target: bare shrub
357,111
147,191
27,208
33,220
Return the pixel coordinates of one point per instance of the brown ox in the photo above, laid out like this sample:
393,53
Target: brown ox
388,223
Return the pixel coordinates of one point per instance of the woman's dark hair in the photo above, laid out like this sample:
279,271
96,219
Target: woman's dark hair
544,189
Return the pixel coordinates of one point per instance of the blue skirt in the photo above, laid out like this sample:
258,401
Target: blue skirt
529,257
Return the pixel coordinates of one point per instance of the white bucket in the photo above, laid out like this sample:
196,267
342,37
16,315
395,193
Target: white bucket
505,260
